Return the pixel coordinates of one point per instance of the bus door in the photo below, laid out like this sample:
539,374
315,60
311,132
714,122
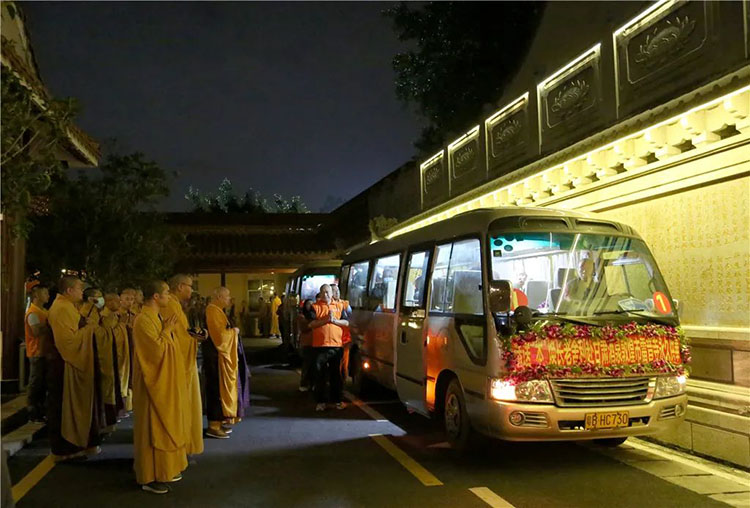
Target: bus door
410,338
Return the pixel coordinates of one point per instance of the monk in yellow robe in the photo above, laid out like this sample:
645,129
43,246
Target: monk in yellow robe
105,353
220,365
180,289
116,330
127,315
158,395
138,304
275,304
72,419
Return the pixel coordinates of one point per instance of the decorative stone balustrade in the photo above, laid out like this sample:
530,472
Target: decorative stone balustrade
697,129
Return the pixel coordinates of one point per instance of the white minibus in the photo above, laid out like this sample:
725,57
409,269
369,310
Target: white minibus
521,324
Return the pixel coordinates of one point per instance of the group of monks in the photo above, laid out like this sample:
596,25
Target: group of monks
112,355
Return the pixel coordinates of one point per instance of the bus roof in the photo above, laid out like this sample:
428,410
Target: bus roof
478,221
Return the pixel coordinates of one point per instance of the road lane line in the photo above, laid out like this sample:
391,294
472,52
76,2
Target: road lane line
411,465
490,497
675,456
28,482
366,408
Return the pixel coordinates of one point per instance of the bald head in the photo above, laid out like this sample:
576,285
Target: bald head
156,291
326,294
181,286
112,301
71,287
221,297
127,297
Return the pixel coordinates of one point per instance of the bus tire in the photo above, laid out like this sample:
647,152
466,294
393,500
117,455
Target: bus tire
610,442
456,419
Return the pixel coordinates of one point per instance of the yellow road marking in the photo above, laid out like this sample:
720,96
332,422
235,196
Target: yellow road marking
490,497
28,482
410,464
365,407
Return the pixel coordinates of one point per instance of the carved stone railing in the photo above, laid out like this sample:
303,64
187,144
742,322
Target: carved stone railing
696,129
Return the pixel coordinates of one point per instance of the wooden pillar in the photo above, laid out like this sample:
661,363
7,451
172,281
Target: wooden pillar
11,319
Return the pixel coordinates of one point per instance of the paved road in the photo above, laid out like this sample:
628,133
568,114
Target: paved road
286,455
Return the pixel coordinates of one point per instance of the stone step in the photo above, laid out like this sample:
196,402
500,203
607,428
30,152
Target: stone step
14,441
14,414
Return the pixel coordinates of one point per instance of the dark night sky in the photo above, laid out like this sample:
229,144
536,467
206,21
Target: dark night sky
296,98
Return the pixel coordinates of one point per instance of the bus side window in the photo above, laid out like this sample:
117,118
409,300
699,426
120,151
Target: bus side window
383,283
439,278
357,284
416,280
344,283
463,293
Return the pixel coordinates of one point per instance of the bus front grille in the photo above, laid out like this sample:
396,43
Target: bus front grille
585,392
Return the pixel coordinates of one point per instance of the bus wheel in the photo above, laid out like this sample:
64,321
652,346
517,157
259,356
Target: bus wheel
456,418
610,442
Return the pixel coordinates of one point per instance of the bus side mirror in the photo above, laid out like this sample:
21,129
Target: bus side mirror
500,291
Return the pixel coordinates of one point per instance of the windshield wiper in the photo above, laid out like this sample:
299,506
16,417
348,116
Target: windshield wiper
640,313
562,316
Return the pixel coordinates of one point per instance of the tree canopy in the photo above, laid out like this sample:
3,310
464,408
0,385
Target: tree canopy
227,200
105,224
31,136
463,56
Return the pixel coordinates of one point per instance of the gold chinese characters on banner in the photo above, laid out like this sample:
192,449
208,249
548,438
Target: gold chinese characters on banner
571,352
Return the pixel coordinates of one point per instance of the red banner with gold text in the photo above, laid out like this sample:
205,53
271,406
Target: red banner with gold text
571,352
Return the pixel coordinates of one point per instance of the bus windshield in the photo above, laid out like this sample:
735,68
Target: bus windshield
580,274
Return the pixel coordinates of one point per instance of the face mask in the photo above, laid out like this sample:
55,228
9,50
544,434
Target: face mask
99,302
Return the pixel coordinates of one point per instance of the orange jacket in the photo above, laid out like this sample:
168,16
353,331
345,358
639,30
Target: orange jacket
328,335
33,346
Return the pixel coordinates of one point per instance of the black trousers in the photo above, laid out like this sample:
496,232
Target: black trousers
214,411
37,390
328,369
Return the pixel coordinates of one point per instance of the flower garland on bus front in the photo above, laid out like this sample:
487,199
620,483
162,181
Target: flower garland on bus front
608,334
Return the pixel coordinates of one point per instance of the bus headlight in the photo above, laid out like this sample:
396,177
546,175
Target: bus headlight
669,386
528,391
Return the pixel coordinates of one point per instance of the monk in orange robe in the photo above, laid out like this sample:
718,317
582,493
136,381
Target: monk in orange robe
159,386
72,419
181,289
220,364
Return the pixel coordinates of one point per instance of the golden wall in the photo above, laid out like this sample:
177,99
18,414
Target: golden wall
701,240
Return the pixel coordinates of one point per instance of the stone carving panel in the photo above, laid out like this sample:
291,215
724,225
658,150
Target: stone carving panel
665,41
507,135
434,181
466,162
570,101
673,45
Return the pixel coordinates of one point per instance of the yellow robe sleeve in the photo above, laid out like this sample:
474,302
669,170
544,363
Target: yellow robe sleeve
225,341
221,336
75,345
160,363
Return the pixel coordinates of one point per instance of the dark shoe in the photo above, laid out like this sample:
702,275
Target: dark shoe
155,488
176,478
216,434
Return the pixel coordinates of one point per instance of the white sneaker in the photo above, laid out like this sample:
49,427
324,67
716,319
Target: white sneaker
303,388
320,407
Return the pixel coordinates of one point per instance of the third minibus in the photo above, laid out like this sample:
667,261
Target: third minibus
522,324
